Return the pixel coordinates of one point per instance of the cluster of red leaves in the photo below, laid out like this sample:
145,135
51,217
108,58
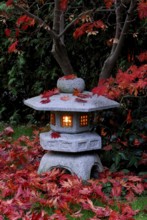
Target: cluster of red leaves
26,195
24,22
108,3
142,9
131,82
13,47
89,28
47,94
63,5
68,77
9,2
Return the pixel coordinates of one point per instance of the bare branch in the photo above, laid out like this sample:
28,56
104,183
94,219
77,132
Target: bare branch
111,60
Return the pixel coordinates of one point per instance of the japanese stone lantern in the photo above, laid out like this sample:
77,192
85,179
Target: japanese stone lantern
70,143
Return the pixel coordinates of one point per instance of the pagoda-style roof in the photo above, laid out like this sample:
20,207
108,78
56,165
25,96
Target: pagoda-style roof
70,103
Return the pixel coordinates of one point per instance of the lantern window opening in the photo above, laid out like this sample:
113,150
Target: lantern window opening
66,120
52,119
84,119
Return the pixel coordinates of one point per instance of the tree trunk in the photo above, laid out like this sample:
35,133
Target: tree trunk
119,38
60,54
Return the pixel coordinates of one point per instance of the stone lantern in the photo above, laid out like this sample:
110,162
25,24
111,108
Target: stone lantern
76,147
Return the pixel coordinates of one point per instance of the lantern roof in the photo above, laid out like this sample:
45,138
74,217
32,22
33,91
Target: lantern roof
70,103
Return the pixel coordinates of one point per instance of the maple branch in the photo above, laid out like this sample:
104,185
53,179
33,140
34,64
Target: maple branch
74,20
39,20
111,60
80,15
118,11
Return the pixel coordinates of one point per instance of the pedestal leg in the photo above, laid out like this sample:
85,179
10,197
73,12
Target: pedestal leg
80,164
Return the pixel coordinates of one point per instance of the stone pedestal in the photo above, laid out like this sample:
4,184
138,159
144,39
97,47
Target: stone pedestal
71,143
81,164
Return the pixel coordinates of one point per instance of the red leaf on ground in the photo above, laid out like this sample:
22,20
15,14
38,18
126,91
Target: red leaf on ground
8,131
129,117
107,148
55,135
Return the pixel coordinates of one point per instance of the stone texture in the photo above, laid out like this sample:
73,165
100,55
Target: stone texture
81,142
93,103
79,164
68,86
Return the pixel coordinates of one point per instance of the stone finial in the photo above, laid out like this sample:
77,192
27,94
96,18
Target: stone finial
67,85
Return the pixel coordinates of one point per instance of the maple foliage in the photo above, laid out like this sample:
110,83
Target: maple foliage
142,9
26,195
89,28
63,5
13,47
133,81
45,96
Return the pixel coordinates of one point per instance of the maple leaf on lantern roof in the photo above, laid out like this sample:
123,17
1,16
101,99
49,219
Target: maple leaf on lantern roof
68,77
65,98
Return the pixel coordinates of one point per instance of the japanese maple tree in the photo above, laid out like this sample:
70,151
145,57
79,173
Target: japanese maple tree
84,23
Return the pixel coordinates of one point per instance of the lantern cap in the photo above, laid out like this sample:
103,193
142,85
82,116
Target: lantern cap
70,103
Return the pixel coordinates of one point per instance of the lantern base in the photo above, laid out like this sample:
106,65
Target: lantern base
81,164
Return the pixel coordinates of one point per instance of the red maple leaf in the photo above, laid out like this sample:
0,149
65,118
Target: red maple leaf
8,131
63,5
143,56
65,98
47,94
45,101
142,9
12,47
68,77
80,100
7,32
108,3
9,2
55,135
116,190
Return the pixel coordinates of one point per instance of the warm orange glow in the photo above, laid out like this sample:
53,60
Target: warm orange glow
66,120
84,120
52,119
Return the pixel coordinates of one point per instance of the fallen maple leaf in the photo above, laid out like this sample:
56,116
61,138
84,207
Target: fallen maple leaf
8,131
65,98
80,100
45,101
55,135
76,92
68,77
